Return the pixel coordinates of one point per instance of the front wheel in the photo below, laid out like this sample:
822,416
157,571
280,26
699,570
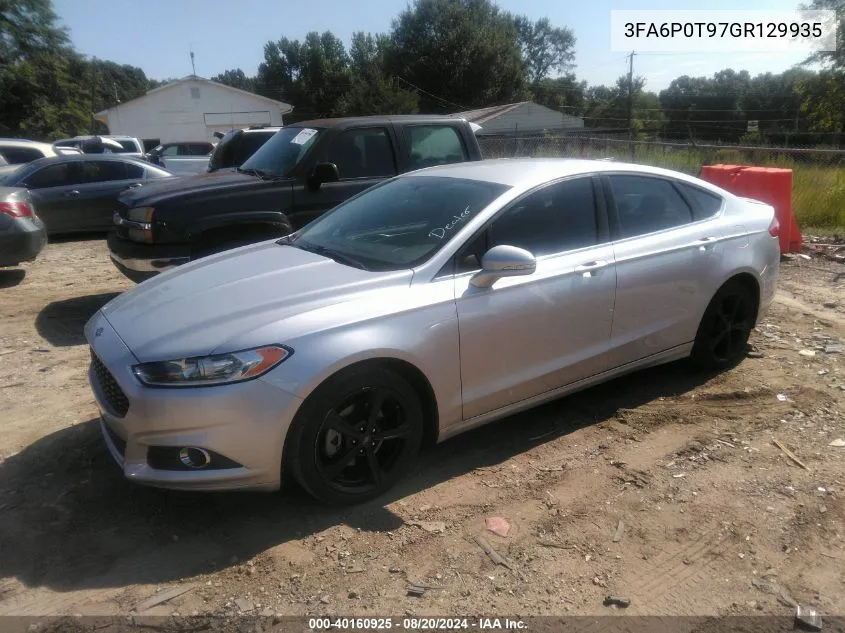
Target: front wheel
355,436
722,336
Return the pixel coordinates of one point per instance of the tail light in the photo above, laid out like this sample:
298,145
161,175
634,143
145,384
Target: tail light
16,209
774,227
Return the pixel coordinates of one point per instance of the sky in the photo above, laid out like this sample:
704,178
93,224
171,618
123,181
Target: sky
158,35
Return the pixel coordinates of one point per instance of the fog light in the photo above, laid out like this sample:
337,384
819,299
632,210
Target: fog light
193,457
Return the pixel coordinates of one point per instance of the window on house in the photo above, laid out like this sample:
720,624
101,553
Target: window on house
195,93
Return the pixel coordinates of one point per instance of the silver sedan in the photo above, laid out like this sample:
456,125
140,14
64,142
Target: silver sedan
423,307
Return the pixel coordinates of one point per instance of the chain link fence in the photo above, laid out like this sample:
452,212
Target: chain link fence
819,174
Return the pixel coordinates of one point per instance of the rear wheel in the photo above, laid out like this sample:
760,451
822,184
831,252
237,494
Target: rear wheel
722,337
355,436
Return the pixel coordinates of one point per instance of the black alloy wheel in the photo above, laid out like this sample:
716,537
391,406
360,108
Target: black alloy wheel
722,337
355,436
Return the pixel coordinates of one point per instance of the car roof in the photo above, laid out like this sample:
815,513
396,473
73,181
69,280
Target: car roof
81,158
530,172
377,120
23,142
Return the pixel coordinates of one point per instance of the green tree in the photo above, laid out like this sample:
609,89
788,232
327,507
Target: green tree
28,27
313,75
706,107
544,48
822,96
459,53
561,93
236,78
40,96
834,59
371,92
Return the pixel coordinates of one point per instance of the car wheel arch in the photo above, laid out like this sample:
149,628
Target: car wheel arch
405,369
751,282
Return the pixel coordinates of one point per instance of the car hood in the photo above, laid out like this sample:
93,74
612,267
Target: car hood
153,191
198,308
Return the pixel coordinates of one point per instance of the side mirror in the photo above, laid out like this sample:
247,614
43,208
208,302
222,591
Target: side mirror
503,261
324,172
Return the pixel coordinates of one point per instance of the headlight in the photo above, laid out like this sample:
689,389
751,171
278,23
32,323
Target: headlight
211,370
141,214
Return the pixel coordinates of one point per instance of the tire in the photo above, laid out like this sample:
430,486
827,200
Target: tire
722,337
323,448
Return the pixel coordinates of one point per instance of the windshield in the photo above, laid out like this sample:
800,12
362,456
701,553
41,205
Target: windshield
282,152
399,224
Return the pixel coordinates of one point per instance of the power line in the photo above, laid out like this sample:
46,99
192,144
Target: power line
431,95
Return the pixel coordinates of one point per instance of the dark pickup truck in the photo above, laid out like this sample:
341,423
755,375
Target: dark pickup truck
304,170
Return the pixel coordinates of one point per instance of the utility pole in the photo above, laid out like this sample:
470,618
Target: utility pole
631,102
193,66
93,94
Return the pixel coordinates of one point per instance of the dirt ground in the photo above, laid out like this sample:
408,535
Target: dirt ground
716,518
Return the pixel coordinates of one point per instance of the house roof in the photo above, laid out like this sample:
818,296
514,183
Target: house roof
483,115
284,107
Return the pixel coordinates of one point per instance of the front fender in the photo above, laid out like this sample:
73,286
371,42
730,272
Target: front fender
427,339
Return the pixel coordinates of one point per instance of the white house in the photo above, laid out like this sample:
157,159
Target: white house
191,109
525,117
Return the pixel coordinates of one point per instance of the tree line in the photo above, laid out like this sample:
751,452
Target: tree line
440,56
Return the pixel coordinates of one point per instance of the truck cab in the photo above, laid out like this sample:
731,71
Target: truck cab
304,170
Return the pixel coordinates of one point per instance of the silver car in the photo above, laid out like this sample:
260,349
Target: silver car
423,307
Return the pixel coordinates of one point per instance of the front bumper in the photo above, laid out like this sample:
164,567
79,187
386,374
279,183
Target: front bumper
21,240
145,260
245,423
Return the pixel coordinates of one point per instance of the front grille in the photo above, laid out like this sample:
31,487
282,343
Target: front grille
117,400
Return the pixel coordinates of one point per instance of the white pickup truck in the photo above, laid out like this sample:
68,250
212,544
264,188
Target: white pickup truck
182,158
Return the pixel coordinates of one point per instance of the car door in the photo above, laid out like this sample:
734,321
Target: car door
364,157
664,260
531,334
104,181
55,193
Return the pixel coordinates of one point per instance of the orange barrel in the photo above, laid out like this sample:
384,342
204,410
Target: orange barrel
720,175
774,186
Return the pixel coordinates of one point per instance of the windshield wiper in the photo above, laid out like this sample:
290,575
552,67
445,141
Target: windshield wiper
340,258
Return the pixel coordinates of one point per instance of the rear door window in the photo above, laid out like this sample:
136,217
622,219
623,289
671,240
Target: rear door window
435,145
103,171
646,205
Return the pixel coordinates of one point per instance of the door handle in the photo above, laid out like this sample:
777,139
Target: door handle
70,194
704,242
589,267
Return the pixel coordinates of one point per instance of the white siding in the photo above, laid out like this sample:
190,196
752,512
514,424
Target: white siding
191,111
530,118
